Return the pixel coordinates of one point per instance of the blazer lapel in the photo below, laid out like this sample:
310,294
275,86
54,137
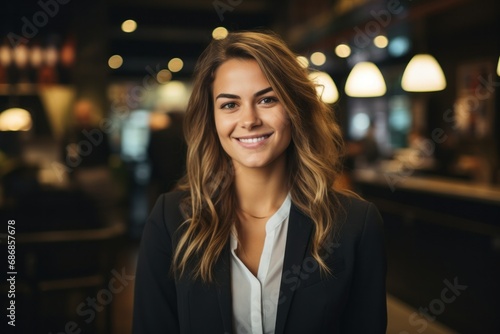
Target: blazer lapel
223,287
299,233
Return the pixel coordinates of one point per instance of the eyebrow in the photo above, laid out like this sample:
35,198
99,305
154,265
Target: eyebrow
232,96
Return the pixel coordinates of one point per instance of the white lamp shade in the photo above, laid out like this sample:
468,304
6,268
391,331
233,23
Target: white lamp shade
423,74
498,67
325,87
15,119
365,80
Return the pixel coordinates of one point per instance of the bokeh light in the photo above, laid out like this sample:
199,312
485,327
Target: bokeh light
115,61
219,33
129,26
175,65
318,58
343,50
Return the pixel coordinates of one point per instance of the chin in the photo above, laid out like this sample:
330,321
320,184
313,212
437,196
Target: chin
257,163
253,164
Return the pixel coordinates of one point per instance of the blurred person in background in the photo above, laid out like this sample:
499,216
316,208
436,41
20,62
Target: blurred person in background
85,144
86,154
370,151
166,152
257,240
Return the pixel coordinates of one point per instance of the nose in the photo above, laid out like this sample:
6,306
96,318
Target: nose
249,117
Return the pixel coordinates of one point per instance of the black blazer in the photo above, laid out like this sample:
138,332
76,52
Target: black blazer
352,300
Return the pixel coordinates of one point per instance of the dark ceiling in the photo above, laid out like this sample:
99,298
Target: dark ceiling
177,28
166,28
182,28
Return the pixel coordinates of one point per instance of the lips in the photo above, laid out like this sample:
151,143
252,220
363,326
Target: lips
253,139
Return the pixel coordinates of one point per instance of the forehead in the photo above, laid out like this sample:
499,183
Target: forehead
239,75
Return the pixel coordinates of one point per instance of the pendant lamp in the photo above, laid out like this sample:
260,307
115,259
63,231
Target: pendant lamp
325,87
498,67
423,74
365,80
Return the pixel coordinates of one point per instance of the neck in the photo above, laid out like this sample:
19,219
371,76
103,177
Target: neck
261,191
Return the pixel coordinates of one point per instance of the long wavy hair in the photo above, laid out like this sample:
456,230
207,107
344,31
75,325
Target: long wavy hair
313,157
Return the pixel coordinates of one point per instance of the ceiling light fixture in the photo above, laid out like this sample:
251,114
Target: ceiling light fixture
325,86
365,80
423,74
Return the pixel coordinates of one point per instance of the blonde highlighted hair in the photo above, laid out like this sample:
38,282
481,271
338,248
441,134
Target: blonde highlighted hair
313,157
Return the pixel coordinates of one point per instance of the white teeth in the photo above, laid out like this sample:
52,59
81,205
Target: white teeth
252,140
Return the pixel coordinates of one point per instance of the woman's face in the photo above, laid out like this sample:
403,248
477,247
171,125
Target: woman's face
252,125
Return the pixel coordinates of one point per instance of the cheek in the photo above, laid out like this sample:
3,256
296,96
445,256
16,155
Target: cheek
218,124
222,127
287,129
283,123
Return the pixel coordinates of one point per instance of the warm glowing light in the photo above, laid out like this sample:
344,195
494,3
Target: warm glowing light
68,51
173,95
318,58
219,33
175,65
343,50
174,89
115,61
36,56
164,76
51,56
365,80
303,61
381,41
158,121
15,119
129,26
21,55
423,74
498,67
325,87
5,55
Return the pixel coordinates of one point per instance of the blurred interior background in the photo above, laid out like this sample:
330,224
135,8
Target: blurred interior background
92,95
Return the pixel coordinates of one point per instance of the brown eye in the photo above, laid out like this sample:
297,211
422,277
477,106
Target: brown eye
230,105
268,100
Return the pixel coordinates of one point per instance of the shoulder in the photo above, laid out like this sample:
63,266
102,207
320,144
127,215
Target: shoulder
353,205
355,215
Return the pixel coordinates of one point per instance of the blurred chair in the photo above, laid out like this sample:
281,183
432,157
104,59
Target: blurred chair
59,270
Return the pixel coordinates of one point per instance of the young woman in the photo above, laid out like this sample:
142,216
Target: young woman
257,240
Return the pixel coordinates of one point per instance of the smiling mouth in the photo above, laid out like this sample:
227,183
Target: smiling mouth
254,139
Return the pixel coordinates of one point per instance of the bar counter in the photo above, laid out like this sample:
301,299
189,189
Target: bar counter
433,185
440,232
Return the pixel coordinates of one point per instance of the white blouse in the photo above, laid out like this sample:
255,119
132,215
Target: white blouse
255,299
